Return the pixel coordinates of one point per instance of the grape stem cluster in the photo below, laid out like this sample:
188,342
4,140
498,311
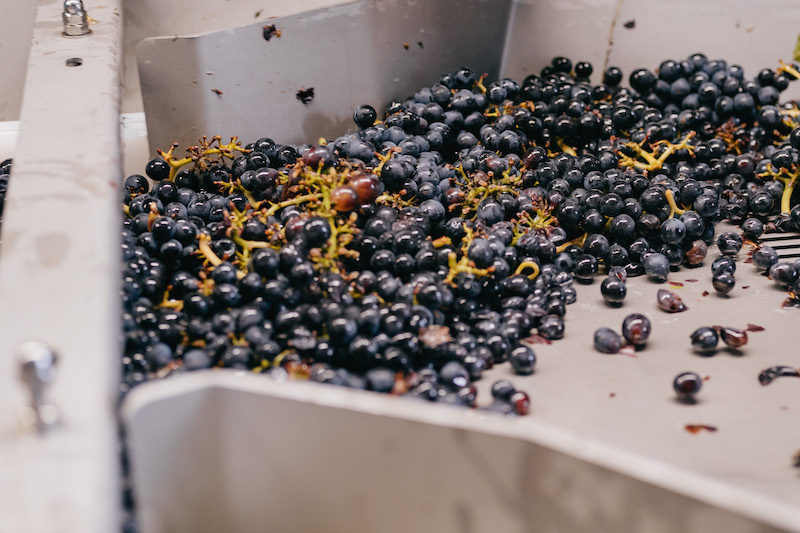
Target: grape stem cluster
652,159
203,155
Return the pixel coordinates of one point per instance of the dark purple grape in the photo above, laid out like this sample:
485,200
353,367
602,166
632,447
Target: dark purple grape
551,327
752,228
317,231
723,282
364,116
729,243
636,329
704,340
784,274
606,340
764,257
656,266
157,169
613,290
723,264
502,390
522,359
585,268
672,231
686,385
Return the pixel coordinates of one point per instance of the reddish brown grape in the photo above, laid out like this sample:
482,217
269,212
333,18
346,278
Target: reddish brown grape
670,302
367,186
319,156
344,198
696,253
293,227
733,337
521,403
454,196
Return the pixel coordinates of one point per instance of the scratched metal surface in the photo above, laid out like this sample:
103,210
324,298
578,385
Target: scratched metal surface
236,82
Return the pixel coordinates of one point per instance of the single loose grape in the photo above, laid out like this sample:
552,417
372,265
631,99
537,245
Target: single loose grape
636,329
606,340
704,340
686,385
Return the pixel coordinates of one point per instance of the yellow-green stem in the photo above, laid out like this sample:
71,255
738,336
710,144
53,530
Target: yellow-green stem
204,246
673,206
528,264
786,198
274,208
577,240
248,245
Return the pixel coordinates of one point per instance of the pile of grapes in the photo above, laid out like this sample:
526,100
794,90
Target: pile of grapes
444,235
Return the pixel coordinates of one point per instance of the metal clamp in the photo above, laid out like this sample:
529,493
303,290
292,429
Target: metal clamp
37,370
76,21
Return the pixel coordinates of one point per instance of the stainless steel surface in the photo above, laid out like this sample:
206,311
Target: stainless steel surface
234,451
75,18
16,30
235,82
786,244
8,139
38,370
157,18
59,279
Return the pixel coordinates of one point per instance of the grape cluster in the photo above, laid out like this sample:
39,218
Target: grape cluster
412,254
310,268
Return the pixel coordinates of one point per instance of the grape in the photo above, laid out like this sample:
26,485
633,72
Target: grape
656,266
704,340
672,231
613,290
670,302
784,274
723,264
606,340
764,257
687,385
729,243
316,232
752,228
735,338
522,360
723,282
364,116
345,198
636,329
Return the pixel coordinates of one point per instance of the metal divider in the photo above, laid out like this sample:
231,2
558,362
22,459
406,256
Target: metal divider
59,279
